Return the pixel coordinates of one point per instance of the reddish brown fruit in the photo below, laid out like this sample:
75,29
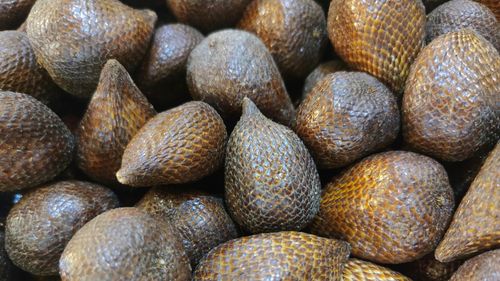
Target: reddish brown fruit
35,145
493,5
358,270
275,256
429,269
180,145
13,12
114,115
321,72
392,207
481,268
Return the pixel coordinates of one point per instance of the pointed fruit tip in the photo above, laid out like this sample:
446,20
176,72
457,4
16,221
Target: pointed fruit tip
249,107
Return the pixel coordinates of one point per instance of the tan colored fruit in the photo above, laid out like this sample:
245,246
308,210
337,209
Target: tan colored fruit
114,115
345,117
381,37
6,267
358,270
493,5
392,207
13,12
475,226
231,64
481,268
42,223
428,268
35,145
73,39
199,218
294,31
321,72
451,106
271,181
125,244
284,255
180,145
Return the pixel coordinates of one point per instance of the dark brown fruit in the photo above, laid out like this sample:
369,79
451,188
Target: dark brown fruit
381,37
271,181
231,64
275,256
114,115
73,39
13,12
457,14
180,145
6,267
35,145
294,31
321,72
41,224
493,5
19,71
208,15
358,270
345,117
475,226
392,207
125,244
481,268
428,268
200,219
451,106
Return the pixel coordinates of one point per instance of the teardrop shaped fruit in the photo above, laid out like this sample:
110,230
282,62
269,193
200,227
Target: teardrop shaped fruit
200,219
481,268
13,12
392,207
428,268
35,145
125,244
41,224
275,256
114,115
347,116
451,106
457,14
73,39
271,181
180,145
294,31
321,72
475,226
358,270
229,65
493,5
6,266
380,37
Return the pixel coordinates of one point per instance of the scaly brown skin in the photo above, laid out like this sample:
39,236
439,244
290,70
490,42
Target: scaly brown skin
231,64
392,207
14,12
475,226
208,15
276,256
180,145
428,268
481,268
347,116
41,224
6,267
125,244
114,115
493,5
457,14
19,70
73,39
35,145
321,72
199,218
271,181
294,31
451,106
358,270
379,37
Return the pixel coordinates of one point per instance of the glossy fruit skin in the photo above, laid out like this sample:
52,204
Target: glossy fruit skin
41,224
200,219
271,181
294,31
275,256
347,116
180,145
231,64
480,268
73,39
358,270
451,106
35,145
321,72
392,207
13,12
384,47
493,5
474,227
457,14
125,244
114,115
